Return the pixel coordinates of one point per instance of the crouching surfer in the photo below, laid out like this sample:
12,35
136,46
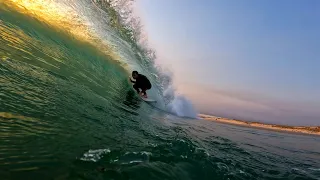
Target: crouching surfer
140,82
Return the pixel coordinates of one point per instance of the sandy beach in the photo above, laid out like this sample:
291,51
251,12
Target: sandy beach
315,130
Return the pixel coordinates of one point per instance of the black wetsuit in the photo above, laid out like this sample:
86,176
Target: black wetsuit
141,82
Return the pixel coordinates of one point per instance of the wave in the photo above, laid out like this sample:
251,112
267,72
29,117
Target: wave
113,29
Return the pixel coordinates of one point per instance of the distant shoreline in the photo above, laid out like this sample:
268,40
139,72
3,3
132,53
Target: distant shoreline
313,130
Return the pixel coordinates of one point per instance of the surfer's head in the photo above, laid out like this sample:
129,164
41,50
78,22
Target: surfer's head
135,74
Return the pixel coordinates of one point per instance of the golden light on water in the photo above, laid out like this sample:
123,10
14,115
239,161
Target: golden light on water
54,14
7,115
60,17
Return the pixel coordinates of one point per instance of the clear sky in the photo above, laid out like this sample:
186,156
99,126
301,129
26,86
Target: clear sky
251,59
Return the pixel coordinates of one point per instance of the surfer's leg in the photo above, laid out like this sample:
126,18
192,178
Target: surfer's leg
144,92
136,88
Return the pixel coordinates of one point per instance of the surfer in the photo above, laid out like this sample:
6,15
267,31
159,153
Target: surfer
141,82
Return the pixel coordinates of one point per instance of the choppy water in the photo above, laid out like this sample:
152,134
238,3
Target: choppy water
68,111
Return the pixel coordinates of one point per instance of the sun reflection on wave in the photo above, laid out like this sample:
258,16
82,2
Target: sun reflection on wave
53,13
60,17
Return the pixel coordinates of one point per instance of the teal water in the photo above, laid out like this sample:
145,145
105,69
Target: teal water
68,112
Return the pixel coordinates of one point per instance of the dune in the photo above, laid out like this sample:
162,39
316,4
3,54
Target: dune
315,130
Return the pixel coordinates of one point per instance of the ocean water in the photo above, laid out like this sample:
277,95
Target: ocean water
67,109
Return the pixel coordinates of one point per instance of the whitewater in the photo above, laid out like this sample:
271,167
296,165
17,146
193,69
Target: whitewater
68,110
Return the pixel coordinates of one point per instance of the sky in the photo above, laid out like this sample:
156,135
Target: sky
255,60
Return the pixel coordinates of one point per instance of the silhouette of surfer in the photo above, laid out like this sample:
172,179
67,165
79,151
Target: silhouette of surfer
141,82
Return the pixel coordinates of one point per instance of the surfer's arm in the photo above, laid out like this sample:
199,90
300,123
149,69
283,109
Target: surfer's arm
132,80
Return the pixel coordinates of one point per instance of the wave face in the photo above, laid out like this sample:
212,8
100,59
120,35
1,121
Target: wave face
68,111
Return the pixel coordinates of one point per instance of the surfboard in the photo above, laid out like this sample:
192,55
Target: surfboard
148,99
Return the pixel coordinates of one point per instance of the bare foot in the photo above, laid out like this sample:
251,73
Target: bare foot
143,95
